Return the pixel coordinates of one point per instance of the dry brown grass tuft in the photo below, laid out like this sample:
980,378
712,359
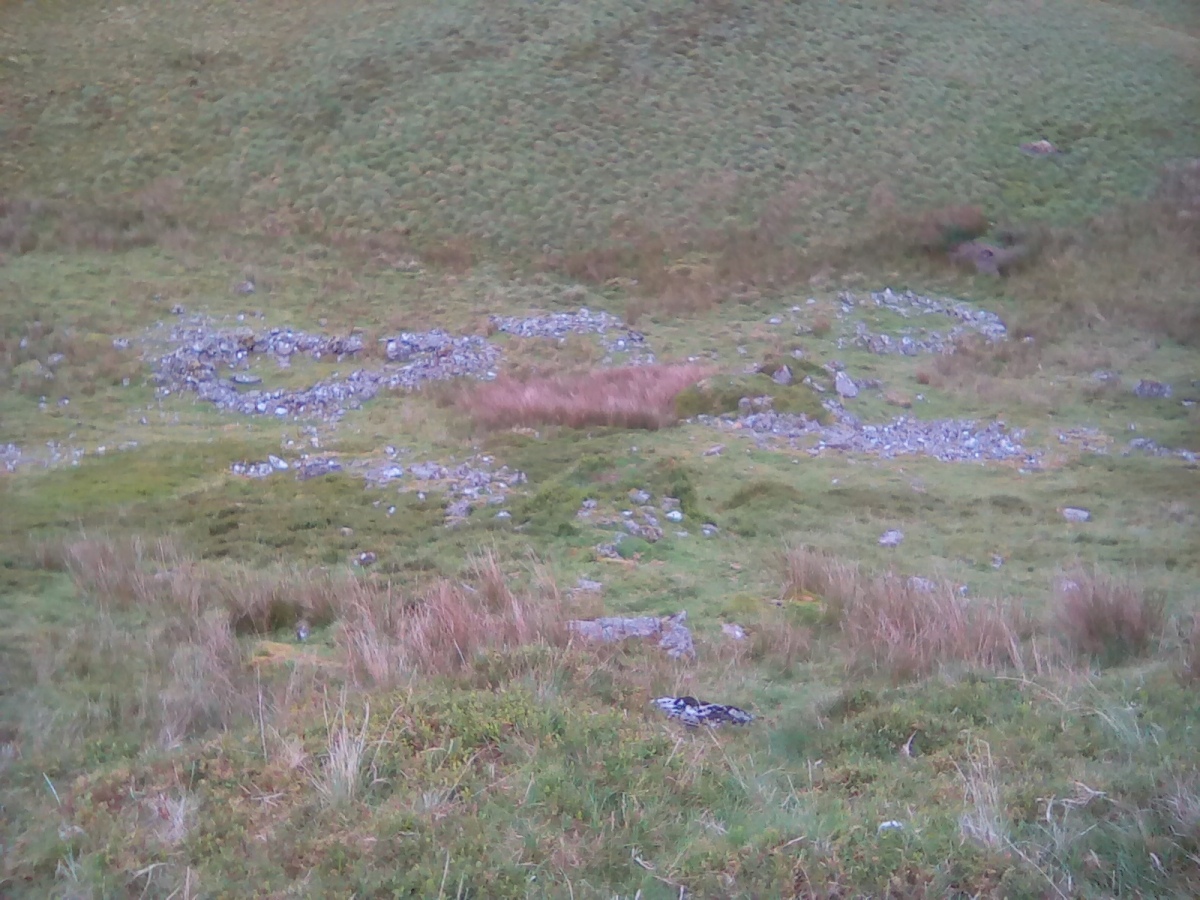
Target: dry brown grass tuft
906,626
910,629
628,397
993,372
543,357
901,231
116,574
1134,267
207,684
150,216
689,267
1105,618
155,576
449,626
812,573
1191,653
777,638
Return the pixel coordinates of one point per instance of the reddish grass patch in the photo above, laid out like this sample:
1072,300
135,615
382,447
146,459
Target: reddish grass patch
1191,654
909,628
446,629
1105,618
906,626
626,397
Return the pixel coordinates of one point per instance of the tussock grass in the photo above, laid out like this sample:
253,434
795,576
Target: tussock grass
125,573
385,632
911,630
983,820
812,573
1129,267
115,574
147,216
445,628
906,626
1107,618
1191,652
207,685
339,779
162,734
628,397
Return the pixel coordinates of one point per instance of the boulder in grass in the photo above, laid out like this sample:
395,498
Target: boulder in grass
693,713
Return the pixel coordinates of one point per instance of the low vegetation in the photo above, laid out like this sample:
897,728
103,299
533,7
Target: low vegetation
627,397
364,683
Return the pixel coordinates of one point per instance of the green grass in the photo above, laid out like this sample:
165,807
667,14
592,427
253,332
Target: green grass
163,735
369,119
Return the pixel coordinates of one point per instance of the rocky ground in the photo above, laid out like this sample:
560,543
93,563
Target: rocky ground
219,362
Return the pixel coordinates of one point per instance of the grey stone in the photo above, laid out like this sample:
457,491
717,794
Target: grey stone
783,375
201,351
845,385
309,467
1076,514
677,638
891,538
734,631
672,632
1152,390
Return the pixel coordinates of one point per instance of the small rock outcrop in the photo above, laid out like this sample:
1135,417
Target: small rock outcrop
673,635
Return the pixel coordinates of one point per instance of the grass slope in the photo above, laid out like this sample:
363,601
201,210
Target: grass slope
702,168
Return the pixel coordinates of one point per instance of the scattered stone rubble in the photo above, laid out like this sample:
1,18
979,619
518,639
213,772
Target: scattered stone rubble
1152,448
1147,389
196,364
14,456
642,521
948,440
202,354
465,485
917,341
559,325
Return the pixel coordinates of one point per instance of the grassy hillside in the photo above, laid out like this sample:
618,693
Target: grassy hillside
999,702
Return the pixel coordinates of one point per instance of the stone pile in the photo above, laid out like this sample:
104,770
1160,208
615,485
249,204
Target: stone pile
966,318
615,335
948,440
202,353
464,485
